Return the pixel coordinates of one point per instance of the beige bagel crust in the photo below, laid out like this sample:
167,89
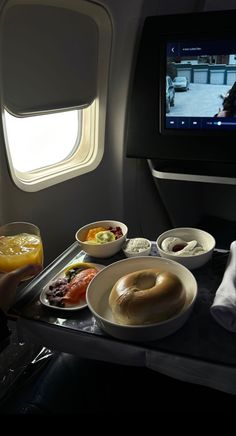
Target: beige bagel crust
146,296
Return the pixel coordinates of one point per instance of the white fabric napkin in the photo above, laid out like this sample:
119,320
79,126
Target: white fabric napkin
223,308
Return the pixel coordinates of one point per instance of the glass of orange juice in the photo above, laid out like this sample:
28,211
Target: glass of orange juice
20,245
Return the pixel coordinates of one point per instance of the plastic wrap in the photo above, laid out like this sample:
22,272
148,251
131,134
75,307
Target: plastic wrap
19,359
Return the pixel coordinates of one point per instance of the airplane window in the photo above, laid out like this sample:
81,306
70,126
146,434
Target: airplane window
62,135
39,141
43,150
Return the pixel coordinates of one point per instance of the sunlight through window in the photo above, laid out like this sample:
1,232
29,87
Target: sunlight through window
39,141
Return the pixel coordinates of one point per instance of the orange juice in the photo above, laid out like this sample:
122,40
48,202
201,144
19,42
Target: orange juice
19,250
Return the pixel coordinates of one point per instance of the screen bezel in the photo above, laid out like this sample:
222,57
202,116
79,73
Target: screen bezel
146,135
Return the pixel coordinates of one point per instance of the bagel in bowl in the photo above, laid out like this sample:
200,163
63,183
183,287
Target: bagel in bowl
146,296
99,290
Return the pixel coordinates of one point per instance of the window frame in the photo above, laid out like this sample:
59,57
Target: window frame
83,156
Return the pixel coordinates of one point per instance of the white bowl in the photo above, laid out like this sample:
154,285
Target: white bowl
99,289
101,250
206,240
140,241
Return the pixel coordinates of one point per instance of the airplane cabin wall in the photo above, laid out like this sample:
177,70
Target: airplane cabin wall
61,209
120,188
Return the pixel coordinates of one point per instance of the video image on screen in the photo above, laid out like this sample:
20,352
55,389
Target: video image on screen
200,85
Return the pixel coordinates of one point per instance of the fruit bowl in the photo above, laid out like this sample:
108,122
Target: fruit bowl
102,239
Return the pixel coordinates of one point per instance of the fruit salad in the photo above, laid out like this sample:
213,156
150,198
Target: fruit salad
102,235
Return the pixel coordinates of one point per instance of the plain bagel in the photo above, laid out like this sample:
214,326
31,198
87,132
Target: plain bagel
146,296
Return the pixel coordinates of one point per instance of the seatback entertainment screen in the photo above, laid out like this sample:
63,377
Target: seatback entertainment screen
200,85
182,104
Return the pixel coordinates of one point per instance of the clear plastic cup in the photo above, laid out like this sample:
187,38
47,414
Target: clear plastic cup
20,245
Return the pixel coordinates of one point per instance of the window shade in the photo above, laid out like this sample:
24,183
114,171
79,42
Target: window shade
48,59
